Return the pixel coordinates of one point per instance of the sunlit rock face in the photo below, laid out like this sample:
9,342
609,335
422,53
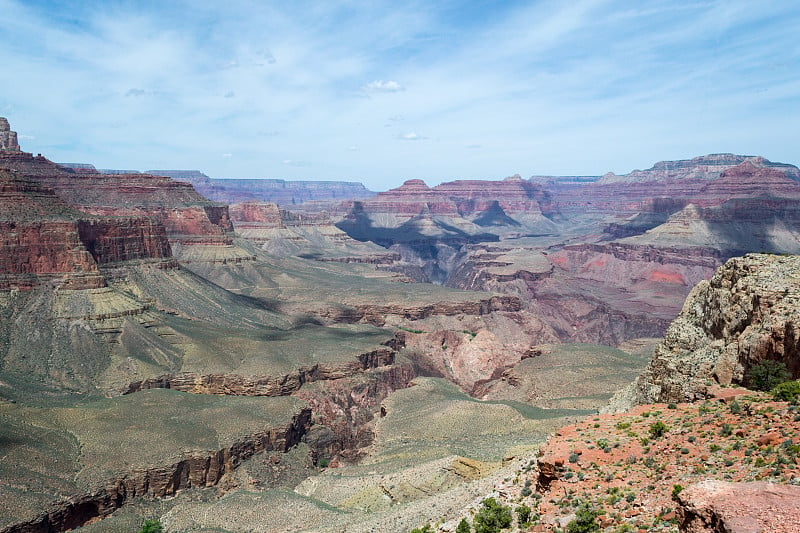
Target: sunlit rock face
8,138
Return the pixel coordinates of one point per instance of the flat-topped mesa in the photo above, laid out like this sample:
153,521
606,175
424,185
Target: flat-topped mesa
689,180
706,167
461,198
8,138
282,192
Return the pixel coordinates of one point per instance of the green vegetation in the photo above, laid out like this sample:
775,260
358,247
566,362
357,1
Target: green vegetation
585,520
788,391
492,517
676,489
657,429
767,374
151,526
424,529
463,526
523,516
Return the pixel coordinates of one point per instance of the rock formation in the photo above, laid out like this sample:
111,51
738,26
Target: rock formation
746,313
43,238
712,506
8,138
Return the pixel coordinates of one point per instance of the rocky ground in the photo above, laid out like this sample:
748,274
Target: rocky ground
632,467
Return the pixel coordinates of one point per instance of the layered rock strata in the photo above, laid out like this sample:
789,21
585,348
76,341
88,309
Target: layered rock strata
8,138
43,238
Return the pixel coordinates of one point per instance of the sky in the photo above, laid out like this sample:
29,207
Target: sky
380,92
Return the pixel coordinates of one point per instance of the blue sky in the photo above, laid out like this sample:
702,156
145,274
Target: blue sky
380,92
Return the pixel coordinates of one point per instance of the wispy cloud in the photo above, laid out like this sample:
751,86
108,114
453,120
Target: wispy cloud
380,86
540,87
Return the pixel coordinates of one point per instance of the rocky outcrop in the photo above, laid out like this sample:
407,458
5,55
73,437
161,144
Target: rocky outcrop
746,313
239,385
345,409
714,506
375,314
8,138
193,470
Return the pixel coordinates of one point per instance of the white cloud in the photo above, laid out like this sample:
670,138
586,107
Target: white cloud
544,87
380,86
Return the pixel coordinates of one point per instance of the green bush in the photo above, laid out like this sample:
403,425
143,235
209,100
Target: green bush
767,374
788,391
151,526
463,526
424,529
676,489
585,520
657,429
492,517
523,516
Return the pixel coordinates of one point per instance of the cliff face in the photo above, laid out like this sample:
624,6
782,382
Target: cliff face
43,238
187,216
8,138
746,313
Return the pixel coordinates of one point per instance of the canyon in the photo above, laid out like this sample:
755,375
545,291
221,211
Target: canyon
372,360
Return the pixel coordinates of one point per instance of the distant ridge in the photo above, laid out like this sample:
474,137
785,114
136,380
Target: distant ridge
281,192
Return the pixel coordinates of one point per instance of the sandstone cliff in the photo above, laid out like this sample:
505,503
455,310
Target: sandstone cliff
746,313
8,138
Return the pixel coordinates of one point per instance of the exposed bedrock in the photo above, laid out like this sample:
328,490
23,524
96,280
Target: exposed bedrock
714,506
240,385
194,470
746,313
376,313
344,409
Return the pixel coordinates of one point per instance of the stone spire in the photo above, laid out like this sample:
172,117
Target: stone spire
8,138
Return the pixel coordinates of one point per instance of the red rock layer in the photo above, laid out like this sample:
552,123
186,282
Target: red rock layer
43,238
460,198
187,216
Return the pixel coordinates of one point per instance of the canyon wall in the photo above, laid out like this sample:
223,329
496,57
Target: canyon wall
746,313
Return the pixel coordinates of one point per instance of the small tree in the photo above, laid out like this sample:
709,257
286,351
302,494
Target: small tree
523,516
585,520
492,517
151,526
463,526
767,374
657,429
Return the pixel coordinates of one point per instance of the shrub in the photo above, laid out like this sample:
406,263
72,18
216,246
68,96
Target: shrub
492,517
573,457
735,407
424,529
585,520
788,391
767,374
676,489
151,526
657,429
463,526
726,430
523,516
